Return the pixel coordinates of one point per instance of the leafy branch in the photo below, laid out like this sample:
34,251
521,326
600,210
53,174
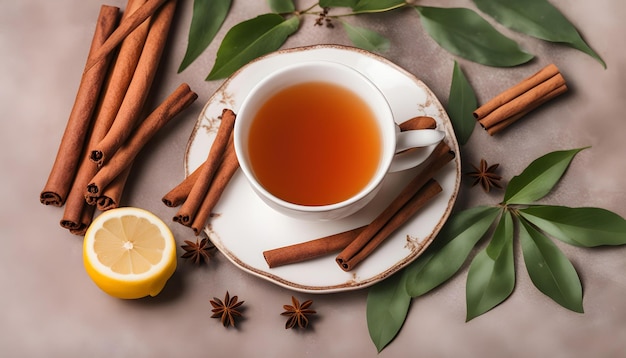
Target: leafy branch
491,274
460,31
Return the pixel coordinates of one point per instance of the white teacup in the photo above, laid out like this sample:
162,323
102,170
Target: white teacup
392,141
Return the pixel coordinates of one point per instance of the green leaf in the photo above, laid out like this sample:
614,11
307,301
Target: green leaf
461,103
537,18
207,19
588,227
539,177
550,271
377,5
338,3
448,252
387,307
282,6
491,276
251,39
366,39
464,33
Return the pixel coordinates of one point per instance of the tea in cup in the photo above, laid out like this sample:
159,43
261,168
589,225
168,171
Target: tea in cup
316,139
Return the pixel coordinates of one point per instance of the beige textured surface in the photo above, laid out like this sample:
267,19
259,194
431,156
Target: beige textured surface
50,308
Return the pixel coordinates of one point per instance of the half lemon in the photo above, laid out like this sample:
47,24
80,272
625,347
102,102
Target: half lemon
129,253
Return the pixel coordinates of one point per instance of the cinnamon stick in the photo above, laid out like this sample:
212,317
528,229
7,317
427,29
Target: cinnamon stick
139,87
520,103
187,211
310,249
67,160
178,100
517,101
77,215
439,158
112,194
423,196
319,247
120,74
125,28
497,127
117,82
506,96
87,217
224,173
419,122
178,194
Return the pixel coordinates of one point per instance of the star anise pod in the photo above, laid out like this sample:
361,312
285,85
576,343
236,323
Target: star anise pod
226,310
197,252
297,313
486,176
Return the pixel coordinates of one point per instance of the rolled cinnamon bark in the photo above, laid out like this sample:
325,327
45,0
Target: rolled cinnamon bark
187,211
112,195
514,103
125,28
67,160
524,101
498,126
180,99
77,215
423,196
419,122
309,250
506,96
139,87
117,82
224,173
180,192
87,214
437,160
319,247
120,74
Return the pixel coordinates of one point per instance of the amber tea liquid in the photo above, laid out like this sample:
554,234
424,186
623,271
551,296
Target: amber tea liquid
314,143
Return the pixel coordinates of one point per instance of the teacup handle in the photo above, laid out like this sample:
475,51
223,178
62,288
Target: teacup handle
422,141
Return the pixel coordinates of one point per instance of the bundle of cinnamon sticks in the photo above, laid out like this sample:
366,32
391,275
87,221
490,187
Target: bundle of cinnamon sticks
517,101
357,244
107,127
199,192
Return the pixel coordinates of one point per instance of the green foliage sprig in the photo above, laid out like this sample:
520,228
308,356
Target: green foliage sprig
460,31
491,274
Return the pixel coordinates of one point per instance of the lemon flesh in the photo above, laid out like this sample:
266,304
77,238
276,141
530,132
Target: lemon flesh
129,253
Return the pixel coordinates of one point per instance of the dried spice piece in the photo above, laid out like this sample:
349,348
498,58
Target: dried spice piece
324,19
297,313
226,310
517,101
486,176
198,252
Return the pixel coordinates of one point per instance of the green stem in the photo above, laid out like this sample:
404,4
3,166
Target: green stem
306,11
399,6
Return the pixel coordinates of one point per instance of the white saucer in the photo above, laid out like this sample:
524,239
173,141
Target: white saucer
243,226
